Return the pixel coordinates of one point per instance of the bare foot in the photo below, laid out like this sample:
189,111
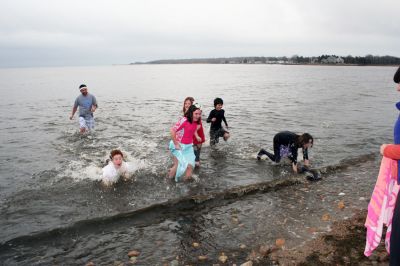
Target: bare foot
187,178
170,173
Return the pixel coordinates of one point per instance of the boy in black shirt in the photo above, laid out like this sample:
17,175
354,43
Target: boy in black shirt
215,118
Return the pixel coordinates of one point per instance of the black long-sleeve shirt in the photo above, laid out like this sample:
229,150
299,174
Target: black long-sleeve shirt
289,139
220,116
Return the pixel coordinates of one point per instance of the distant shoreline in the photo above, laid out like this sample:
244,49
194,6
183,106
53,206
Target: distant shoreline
327,65
330,60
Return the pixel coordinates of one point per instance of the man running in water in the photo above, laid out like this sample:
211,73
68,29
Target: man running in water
87,105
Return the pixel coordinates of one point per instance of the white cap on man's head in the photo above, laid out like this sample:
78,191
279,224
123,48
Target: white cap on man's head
82,87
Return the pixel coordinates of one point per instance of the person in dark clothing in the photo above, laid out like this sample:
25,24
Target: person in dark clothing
215,118
286,144
395,235
396,77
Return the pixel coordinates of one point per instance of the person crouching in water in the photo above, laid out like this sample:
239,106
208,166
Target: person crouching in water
115,169
286,144
181,147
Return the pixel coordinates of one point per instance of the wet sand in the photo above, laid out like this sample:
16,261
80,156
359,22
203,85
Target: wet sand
343,245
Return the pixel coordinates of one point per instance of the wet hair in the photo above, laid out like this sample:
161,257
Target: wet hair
218,101
304,139
191,99
189,114
116,152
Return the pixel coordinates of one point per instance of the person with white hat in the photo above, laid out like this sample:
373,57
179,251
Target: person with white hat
87,104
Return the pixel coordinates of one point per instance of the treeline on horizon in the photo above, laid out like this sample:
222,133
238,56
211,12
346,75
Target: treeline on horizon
322,59
357,60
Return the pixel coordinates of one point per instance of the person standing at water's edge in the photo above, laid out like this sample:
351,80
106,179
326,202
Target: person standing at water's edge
396,79
384,206
87,104
395,236
286,144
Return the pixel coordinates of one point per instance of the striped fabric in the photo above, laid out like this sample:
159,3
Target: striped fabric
381,206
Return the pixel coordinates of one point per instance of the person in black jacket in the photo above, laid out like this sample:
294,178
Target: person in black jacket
286,144
215,118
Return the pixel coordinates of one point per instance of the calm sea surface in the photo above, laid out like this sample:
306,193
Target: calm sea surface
53,209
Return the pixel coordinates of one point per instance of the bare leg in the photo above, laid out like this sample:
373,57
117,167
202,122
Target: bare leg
172,170
188,173
82,130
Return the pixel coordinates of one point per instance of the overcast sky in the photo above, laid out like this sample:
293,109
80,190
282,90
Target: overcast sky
96,32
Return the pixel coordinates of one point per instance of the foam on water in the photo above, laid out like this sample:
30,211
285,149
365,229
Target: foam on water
80,170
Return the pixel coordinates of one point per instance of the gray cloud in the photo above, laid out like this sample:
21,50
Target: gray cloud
39,33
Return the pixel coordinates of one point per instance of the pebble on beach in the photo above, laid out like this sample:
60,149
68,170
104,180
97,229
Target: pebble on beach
248,263
133,253
312,230
242,246
341,205
195,245
223,258
280,242
90,263
326,217
264,250
202,257
253,255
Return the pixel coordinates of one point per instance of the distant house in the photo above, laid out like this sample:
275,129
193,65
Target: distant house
332,60
340,60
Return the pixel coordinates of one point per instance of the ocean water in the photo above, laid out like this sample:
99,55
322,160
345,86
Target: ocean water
53,209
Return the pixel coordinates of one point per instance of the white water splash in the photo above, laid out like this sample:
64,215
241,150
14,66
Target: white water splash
79,170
